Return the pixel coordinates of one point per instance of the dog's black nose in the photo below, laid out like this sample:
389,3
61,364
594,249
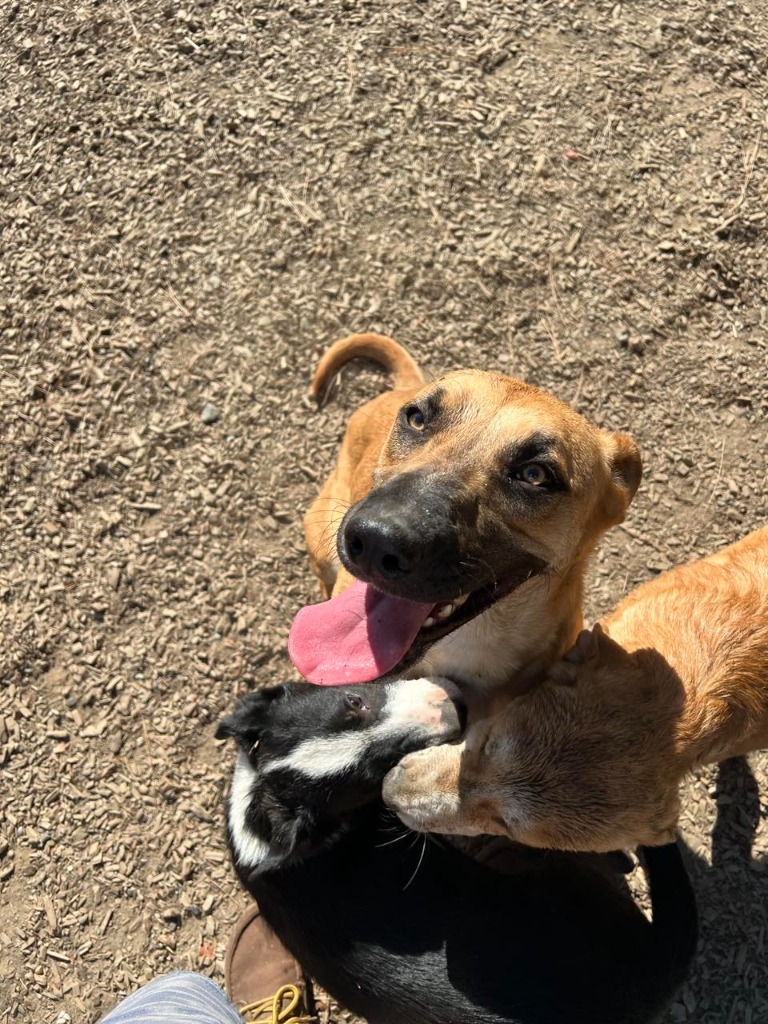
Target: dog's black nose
403,539
377,548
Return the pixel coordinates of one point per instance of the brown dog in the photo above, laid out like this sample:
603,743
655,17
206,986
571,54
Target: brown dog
462,512
591,759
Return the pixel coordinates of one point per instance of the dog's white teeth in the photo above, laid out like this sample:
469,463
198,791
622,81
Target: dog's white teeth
442,612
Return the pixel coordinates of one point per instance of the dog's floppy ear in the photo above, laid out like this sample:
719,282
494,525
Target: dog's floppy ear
250,716
626,469
590,645
282,833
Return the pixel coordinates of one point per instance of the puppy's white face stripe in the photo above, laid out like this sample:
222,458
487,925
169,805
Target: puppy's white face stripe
250,850
327,755
413,706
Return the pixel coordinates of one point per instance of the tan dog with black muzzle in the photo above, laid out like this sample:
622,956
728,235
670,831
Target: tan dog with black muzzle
455,528
592,758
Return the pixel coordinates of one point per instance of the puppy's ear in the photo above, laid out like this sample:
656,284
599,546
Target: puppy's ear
286,833
250,717
626,469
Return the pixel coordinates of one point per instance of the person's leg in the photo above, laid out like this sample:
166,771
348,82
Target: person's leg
178,998
262,978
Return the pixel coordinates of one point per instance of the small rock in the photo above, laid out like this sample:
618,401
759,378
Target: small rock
210,413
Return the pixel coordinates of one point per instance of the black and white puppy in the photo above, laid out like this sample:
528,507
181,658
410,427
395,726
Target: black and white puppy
429,936
310,756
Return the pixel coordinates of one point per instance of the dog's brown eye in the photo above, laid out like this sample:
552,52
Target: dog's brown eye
354,701
534,474
414,417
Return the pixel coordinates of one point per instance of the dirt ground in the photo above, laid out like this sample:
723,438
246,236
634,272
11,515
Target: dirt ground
195,200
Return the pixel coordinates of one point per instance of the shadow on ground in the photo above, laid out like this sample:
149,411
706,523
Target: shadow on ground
732,895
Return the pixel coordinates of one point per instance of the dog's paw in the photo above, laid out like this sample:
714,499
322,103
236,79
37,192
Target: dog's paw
423,790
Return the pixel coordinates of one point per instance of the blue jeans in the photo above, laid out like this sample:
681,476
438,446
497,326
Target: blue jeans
178,998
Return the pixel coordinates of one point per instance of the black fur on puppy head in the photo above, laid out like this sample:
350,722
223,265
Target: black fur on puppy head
310,755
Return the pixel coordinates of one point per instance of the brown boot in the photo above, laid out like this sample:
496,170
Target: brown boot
262,979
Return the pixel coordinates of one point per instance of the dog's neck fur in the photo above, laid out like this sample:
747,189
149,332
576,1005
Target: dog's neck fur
541,619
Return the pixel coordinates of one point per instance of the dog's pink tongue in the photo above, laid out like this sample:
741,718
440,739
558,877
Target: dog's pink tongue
355,637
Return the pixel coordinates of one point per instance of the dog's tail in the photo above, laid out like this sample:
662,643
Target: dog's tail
399,363
673,905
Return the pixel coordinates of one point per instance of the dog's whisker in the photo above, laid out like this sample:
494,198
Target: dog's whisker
316,513
327,534
421,859
330,501
482,563
416,837
391,842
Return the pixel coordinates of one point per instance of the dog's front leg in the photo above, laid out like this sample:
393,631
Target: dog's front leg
429,794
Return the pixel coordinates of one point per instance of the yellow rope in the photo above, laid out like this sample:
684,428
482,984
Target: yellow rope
274,1009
